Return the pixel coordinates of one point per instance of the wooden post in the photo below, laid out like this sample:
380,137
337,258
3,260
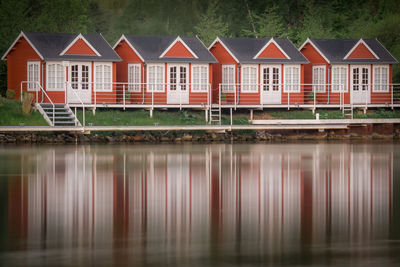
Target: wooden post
251,114
206,114
231,115
151,113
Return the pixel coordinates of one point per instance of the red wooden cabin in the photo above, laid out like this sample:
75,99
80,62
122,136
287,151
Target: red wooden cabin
258,71
164,70
69,68
349,71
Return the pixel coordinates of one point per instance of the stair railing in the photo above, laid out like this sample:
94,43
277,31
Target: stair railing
80,100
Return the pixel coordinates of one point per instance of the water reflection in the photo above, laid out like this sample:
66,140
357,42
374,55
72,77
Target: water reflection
205,205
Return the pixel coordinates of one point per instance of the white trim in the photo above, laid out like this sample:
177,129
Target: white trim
374,67
133,87
361,41
267,44
47,76
178,39
250,85
80,36
200,84
22,34
224,46
147,78
368,93
102,77
316,88
315,47
334,68
230,88
30,86
274,97
123,38
294,85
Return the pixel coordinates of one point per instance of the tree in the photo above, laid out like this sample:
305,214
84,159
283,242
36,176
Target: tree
211,25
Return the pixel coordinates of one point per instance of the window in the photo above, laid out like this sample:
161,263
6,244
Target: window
292,79
319,78
199,78
360,78
134,77
182,80
249,79
381,79
155,78
228,78
85,77
339,79
33,73
103,77
55,76
270,78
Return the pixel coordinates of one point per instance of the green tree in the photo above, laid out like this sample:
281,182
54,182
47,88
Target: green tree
211,25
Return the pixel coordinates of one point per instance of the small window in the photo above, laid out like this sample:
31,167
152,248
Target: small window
249,79
134,77
228,78
339,79
381,79
33,74
103,78
319,79
200,78
55,76
292,79
155,78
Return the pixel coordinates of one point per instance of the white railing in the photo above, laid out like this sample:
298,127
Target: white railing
69,86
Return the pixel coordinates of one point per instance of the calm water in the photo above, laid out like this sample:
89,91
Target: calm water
200,205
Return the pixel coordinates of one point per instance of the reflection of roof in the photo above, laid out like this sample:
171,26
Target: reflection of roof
245,49
50,46
335,50
151,48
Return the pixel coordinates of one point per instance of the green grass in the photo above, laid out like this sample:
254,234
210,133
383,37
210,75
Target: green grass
307,114
378,114
11,114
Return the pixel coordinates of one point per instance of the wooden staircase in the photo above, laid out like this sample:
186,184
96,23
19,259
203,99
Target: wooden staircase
58,115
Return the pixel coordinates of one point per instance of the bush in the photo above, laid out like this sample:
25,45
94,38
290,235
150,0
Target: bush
10,94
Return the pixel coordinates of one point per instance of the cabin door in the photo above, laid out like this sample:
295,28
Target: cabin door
360,87
79,87
178,89
270,85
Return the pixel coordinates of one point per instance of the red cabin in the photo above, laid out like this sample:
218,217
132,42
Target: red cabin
257,71
62,67
349,71
164,71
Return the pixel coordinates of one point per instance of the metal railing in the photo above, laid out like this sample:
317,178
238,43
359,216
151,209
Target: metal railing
69,86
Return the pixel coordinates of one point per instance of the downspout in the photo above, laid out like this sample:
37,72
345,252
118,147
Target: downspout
43,64
237,82
143,83
329,81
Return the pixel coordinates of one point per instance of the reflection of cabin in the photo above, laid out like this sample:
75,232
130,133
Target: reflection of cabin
361,69
254,71
60,63
164,70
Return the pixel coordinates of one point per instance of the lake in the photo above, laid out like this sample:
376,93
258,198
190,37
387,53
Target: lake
312,204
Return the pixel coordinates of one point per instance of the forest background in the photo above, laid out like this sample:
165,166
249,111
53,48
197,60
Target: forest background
295,19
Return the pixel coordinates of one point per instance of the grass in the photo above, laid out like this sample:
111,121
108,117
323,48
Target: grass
324,114
11,114
378,114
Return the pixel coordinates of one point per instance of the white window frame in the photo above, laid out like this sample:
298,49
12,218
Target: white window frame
159,88
30,78
379,86
291,87
100,87
56,88
230,81
133,85
338,87
317,80
200,86
249,86
271,78
360,76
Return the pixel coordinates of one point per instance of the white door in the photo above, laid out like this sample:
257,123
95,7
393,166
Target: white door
80,83
270,85
178,89
360,85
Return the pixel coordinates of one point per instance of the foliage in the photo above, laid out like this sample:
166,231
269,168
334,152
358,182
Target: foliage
10,94
11,115
378,114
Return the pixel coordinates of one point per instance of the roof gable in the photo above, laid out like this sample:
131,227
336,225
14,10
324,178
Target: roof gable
217,40
271,50
308,41
21,35
124,39
178,48
361,51
79,46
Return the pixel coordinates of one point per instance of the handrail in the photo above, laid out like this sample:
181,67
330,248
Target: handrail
80,100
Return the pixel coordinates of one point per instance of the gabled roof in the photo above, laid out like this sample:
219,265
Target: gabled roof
50,46
150,48
245,50
338,50
178,40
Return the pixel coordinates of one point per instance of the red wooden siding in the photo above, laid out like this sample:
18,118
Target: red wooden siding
271,51
80,48
17,60
361,51
178,50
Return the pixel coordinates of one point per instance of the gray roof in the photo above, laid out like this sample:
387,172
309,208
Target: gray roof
244,49
150,48
50,46
336,49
